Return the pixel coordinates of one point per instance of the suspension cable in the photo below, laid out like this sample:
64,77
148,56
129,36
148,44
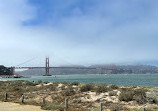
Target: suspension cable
27,61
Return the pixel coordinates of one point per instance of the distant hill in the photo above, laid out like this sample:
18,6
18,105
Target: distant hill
4,70
118,69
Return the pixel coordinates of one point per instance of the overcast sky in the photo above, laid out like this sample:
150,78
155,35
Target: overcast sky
78,31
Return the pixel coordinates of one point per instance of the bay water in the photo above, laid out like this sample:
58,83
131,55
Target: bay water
118,79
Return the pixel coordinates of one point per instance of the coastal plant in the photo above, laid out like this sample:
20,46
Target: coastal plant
115,107
152,98
28,102
51,87
75,83
126,95
102,88
2,96
28,83
87,87
68,91
39,82
113,93
53,107
45,82
31,102
16,83
56,83
65,83
113,86
139,95
147,109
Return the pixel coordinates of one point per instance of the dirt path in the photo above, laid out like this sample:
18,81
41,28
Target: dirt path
6,106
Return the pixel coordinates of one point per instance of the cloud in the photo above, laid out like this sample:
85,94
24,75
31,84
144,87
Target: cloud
81,32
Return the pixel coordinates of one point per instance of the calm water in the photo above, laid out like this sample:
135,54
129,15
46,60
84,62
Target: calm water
118,79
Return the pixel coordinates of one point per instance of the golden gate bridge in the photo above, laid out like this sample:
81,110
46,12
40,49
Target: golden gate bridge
47,67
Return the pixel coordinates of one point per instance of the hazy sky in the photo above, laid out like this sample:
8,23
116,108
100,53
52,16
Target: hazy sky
78,31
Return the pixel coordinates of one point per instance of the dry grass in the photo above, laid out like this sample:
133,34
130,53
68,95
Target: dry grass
55,94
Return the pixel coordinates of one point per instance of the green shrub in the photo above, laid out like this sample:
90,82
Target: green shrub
116,107
140,96
113,86
68,92
28,83
65,83
147,109
16,83
113,93
51,87
75,83
126,95
102,88
39,82
27,102
52,107
45,82
86,87
152,98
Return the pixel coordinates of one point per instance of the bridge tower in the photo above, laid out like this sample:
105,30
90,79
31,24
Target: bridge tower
47,67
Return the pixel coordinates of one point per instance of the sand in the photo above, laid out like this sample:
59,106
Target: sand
6,106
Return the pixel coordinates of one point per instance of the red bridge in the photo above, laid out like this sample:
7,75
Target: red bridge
47,67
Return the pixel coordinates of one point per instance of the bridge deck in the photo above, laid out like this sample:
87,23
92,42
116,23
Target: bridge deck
63,68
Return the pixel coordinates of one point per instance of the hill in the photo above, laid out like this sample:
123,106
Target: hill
4,70
118,69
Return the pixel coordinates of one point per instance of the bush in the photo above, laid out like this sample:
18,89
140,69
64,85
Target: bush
68,92
140,96
28,102
102,88
45,82
51,87
75,83
152,98
147,109
126,95
116,107
113,93
39,82
87,87
28,83
52,107
65,83
113,86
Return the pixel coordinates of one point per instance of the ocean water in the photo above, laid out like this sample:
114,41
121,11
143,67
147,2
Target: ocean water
118,79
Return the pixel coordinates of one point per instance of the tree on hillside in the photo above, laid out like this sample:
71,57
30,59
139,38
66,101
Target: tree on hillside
4,70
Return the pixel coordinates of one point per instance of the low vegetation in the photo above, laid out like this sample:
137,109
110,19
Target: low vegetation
113,93
81,97
102,88
52,107
138,95
116,107
87,87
